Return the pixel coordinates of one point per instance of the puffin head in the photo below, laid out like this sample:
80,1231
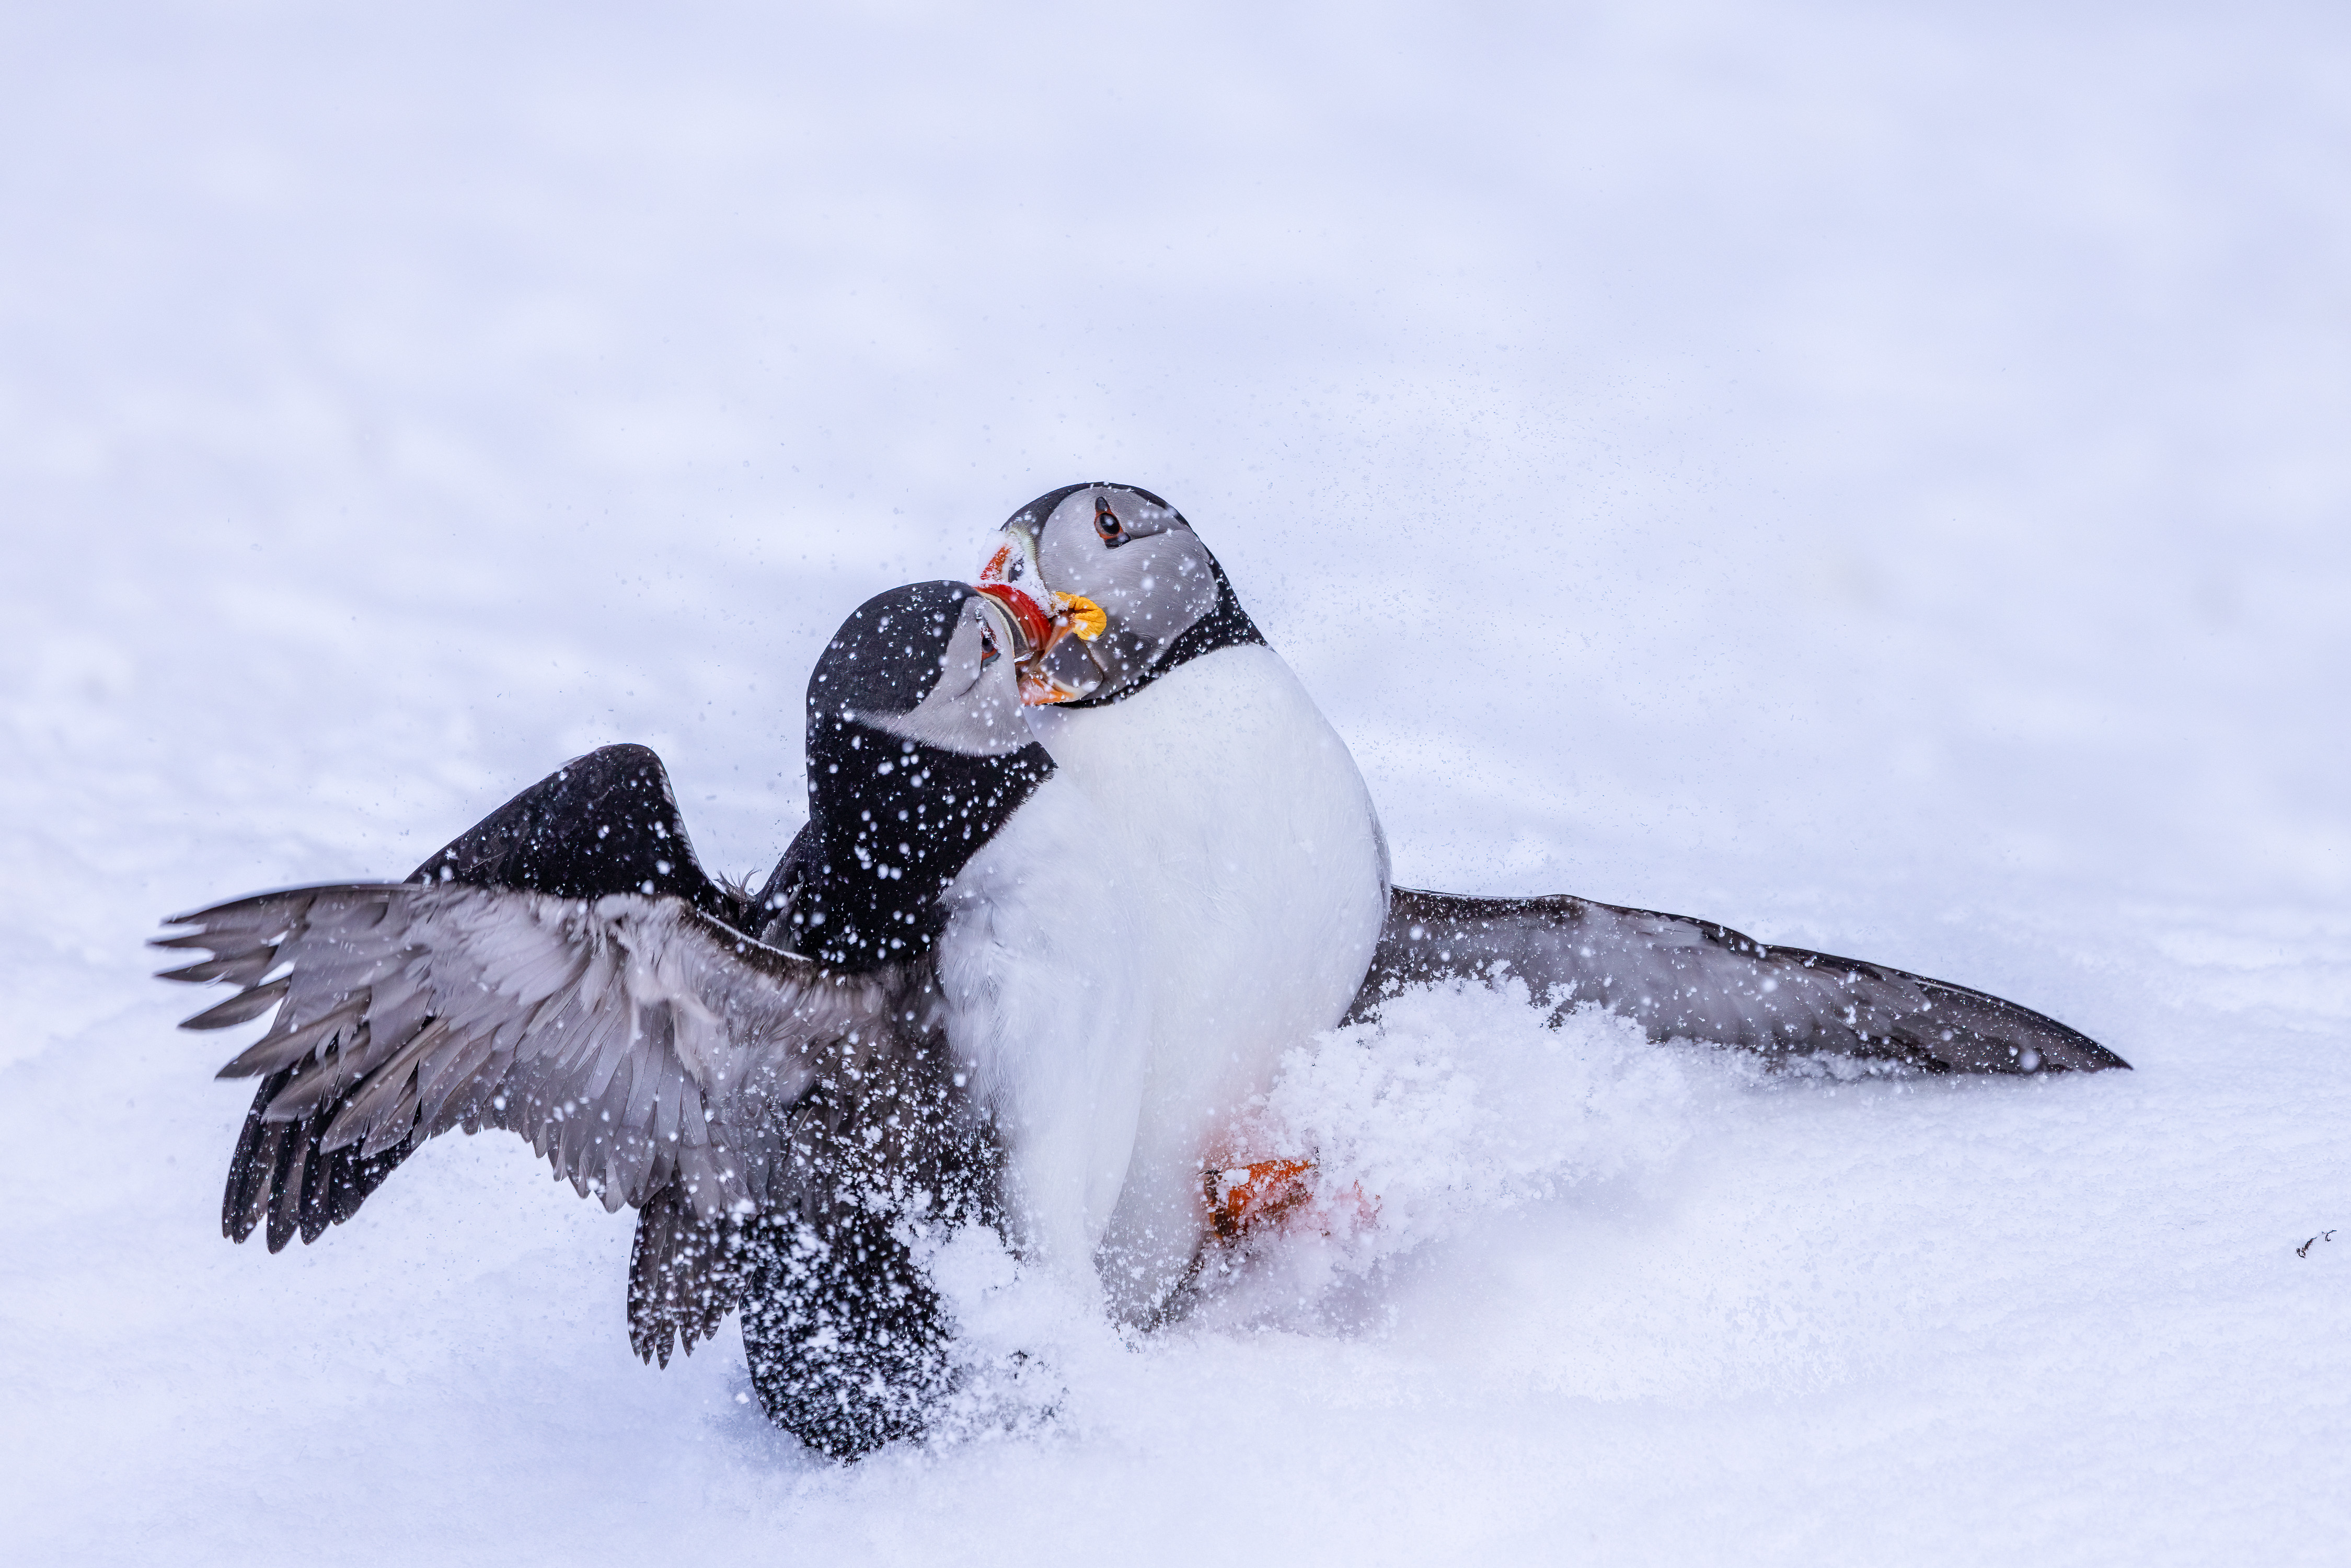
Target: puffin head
1110,589
917,754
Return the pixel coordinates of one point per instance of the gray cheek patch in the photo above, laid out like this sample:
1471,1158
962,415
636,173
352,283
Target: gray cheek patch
975,728
1159,588
973,708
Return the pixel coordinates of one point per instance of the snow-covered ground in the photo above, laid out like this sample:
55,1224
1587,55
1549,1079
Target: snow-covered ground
1876,477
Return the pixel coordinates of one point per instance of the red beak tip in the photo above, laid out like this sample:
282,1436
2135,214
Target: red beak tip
1036,627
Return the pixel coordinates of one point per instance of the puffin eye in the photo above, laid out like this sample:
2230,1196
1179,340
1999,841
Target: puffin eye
986,645
1106,522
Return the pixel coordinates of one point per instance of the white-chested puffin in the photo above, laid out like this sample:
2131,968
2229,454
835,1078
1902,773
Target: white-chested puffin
1257,847
912,1028
1238,813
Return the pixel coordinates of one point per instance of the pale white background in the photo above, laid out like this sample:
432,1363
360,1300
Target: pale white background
1876,475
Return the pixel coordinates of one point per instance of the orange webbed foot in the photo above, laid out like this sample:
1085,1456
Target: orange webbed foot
1278,1193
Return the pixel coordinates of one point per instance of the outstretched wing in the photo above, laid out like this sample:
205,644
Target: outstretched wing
604,823
1695,978
639,1044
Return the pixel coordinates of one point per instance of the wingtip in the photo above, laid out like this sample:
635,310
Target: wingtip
243,1007
2081,1053
2081,1056
185,939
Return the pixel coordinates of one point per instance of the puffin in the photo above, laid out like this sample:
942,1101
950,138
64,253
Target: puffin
1237,811
1246,822
907,1030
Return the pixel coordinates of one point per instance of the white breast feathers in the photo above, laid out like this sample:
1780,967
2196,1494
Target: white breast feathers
1265,880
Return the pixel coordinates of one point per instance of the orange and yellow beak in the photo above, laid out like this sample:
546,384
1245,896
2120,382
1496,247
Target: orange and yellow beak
1042,618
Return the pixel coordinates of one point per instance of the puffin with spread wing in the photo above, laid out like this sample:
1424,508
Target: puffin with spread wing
1265,871
798,1091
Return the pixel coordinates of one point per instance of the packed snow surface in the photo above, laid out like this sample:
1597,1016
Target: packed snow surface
1875,477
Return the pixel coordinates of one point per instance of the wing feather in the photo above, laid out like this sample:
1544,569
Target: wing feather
243,1007
283,1046
635,1041
686,1274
